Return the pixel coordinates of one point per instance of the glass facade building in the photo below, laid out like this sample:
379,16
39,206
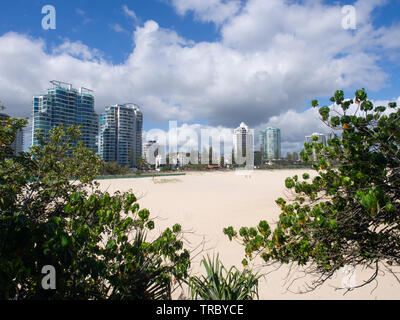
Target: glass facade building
63,105
270,144
120,137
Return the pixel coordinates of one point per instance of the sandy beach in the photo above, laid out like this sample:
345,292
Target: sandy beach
205,203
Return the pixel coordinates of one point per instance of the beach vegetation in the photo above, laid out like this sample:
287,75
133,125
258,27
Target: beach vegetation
53,216
112,168
220,283
347,214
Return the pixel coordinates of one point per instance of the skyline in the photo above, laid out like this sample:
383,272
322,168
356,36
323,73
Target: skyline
117,127
172,139
205,64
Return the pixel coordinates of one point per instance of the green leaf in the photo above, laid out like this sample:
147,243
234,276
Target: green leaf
306,176
361,95
150,225
289,183
339,96
230,232
333,224
244,232
335,121
390,207
177,228
64,241
314,103
324,112
144,214
367,106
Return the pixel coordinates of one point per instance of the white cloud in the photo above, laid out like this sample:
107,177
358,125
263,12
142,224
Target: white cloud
117,28
217,11
296,125
78,50
130,13
80,11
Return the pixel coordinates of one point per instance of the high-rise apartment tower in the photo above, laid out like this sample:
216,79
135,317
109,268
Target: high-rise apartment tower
120,138
63,105
270,144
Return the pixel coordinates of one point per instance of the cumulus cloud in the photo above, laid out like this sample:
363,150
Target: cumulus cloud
217,11
273,56
77,50
296,125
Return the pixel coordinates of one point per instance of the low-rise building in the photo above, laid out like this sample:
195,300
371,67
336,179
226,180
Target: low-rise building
178,160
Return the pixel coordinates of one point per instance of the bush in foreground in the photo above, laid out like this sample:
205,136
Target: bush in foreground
347,214
52,213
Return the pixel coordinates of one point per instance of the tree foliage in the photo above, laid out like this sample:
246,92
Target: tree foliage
113,168
347,214
53,213
142,164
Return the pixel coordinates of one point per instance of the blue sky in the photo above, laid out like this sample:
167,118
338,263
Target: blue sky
81,20
203,63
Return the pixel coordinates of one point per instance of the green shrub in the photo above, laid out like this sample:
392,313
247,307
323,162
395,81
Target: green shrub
113,169
349,213
52,213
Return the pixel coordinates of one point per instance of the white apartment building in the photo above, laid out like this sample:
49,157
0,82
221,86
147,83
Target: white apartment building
243,145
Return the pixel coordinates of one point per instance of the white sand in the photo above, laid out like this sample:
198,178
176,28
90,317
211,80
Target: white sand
205,203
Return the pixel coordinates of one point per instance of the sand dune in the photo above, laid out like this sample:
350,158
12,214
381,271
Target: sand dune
205,203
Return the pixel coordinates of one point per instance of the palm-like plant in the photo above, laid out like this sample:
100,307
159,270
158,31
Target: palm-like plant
223,284
145,277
